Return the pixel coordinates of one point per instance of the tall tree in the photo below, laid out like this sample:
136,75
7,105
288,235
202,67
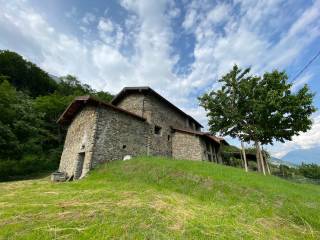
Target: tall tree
25,75
258,109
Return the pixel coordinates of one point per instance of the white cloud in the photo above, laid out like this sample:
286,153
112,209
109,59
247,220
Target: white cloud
105,25
174,12
239,41
301,81
140,51
110,33
72,13
305,140
219,13
190,18
224,38
88,18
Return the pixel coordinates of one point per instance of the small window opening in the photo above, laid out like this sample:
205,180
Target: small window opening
168,137
124,146
157,130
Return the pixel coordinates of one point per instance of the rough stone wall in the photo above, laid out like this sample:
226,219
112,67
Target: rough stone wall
159,114
79,139
187,146
166,117
133,103
117,135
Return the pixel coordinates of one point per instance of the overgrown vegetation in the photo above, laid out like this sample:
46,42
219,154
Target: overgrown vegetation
30,103
302,173
158,198
310,170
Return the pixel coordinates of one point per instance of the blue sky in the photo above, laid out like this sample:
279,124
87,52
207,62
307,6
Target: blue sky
179,48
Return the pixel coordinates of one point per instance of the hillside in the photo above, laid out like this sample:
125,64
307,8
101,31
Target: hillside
278,161
299,156
157,198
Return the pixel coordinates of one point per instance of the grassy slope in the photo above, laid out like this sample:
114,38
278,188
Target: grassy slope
158,198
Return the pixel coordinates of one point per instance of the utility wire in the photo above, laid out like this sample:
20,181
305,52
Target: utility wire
306,66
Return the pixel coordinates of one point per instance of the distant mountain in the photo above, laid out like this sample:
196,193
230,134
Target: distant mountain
278,161
311,155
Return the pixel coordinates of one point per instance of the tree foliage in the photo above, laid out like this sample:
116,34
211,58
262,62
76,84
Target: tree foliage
30,103
256,108
25,75
310,170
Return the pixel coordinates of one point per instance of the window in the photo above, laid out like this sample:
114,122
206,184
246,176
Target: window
168,138
124,146
157,130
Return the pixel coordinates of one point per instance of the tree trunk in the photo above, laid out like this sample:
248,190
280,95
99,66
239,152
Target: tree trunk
260,163
244,157
262,160
258,157
266,162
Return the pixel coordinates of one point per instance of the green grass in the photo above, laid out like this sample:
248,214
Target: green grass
157,198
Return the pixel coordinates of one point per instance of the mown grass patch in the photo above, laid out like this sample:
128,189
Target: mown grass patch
158,198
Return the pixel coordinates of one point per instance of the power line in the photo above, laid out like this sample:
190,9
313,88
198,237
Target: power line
306,66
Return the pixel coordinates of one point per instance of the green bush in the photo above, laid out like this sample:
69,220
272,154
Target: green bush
30,103
310,170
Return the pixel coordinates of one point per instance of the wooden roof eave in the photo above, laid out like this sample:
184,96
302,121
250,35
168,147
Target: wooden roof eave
78,103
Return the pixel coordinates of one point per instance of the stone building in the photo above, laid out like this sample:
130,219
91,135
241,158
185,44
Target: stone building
138,121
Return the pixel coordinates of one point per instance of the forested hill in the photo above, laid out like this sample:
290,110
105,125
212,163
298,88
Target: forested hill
30,103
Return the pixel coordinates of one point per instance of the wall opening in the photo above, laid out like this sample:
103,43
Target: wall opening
208,146
79,165
157,130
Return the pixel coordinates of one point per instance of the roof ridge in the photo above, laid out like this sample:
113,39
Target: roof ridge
123,91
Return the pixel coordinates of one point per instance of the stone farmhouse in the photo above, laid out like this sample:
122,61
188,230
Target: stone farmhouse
138,121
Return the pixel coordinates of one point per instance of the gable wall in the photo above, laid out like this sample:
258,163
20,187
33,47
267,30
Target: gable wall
157,113
166,117
133,103
117,135
79,138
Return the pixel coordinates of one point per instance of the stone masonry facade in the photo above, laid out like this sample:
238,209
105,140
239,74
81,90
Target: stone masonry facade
195,150
138,122
118,135
157,114
80,139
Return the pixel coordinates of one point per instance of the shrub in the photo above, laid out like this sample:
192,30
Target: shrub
310,170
